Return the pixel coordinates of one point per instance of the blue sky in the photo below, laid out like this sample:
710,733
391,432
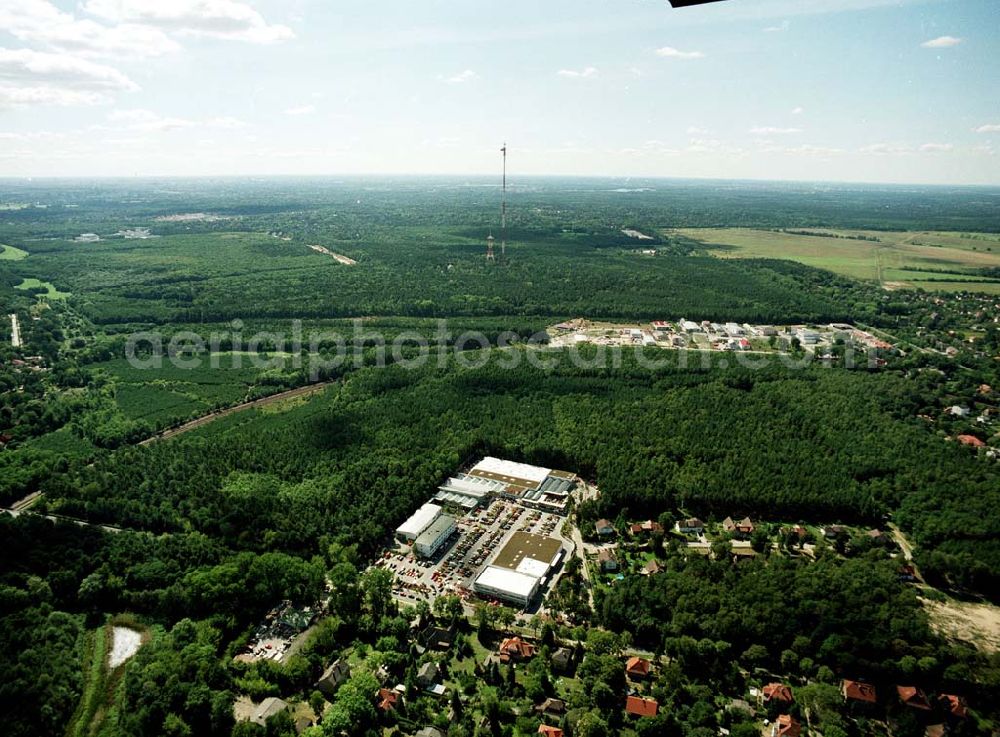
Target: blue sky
845,90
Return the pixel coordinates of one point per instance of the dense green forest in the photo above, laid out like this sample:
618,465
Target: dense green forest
291,500
847,447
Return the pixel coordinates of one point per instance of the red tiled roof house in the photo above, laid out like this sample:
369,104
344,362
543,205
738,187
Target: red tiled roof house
638,706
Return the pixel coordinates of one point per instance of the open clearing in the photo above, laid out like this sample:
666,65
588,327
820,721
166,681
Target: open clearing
338,257
32,283
9,253
978,624
931,260
125,644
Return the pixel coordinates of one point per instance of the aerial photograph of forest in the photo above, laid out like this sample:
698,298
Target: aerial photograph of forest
465,370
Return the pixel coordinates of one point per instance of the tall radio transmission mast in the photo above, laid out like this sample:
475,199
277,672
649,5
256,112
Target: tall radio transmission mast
503,208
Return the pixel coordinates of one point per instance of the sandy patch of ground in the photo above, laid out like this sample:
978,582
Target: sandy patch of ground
977,624
339,257
126,643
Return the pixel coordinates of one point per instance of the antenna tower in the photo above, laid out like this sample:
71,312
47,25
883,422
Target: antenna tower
503,208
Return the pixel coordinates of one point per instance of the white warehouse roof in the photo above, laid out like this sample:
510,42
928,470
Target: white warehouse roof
517,584
419,520
532,567
517,470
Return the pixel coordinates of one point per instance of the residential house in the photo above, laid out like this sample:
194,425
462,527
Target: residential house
954,705
433,637
741,530
907,573
333,677
545,729
267,709
876,536
832,532
637,668
799,531
639,706
562,659
971,440
913,697
551,707
430,732
785,726
604,528
858,692
958,411
515,649
645,528
608,560
776,693
428,674
651,568
690,526
386,700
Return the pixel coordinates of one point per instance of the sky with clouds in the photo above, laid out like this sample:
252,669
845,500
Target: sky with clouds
841,90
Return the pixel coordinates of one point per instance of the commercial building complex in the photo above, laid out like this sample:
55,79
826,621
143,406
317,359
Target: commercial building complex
520,569
436,535
533,486
418,522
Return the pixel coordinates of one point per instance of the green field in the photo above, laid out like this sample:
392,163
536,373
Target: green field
931,260
168,394
9,253
53,293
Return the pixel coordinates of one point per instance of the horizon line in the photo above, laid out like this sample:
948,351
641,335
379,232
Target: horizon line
6,178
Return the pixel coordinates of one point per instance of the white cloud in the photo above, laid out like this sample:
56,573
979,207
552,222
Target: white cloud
767,130
301,110
798,110
225,19
41,22
146,121
694,130
936,147
778,29
225,122
462,77
32,136
574,74
805,149
988,128
941,42
36,78
883,149
669,52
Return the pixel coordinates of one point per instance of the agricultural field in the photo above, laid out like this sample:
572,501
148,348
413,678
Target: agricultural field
933,260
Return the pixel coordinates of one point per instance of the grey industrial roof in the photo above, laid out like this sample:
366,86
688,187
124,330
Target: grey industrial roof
435,530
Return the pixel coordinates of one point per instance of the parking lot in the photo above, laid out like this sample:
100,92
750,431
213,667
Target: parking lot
481,534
